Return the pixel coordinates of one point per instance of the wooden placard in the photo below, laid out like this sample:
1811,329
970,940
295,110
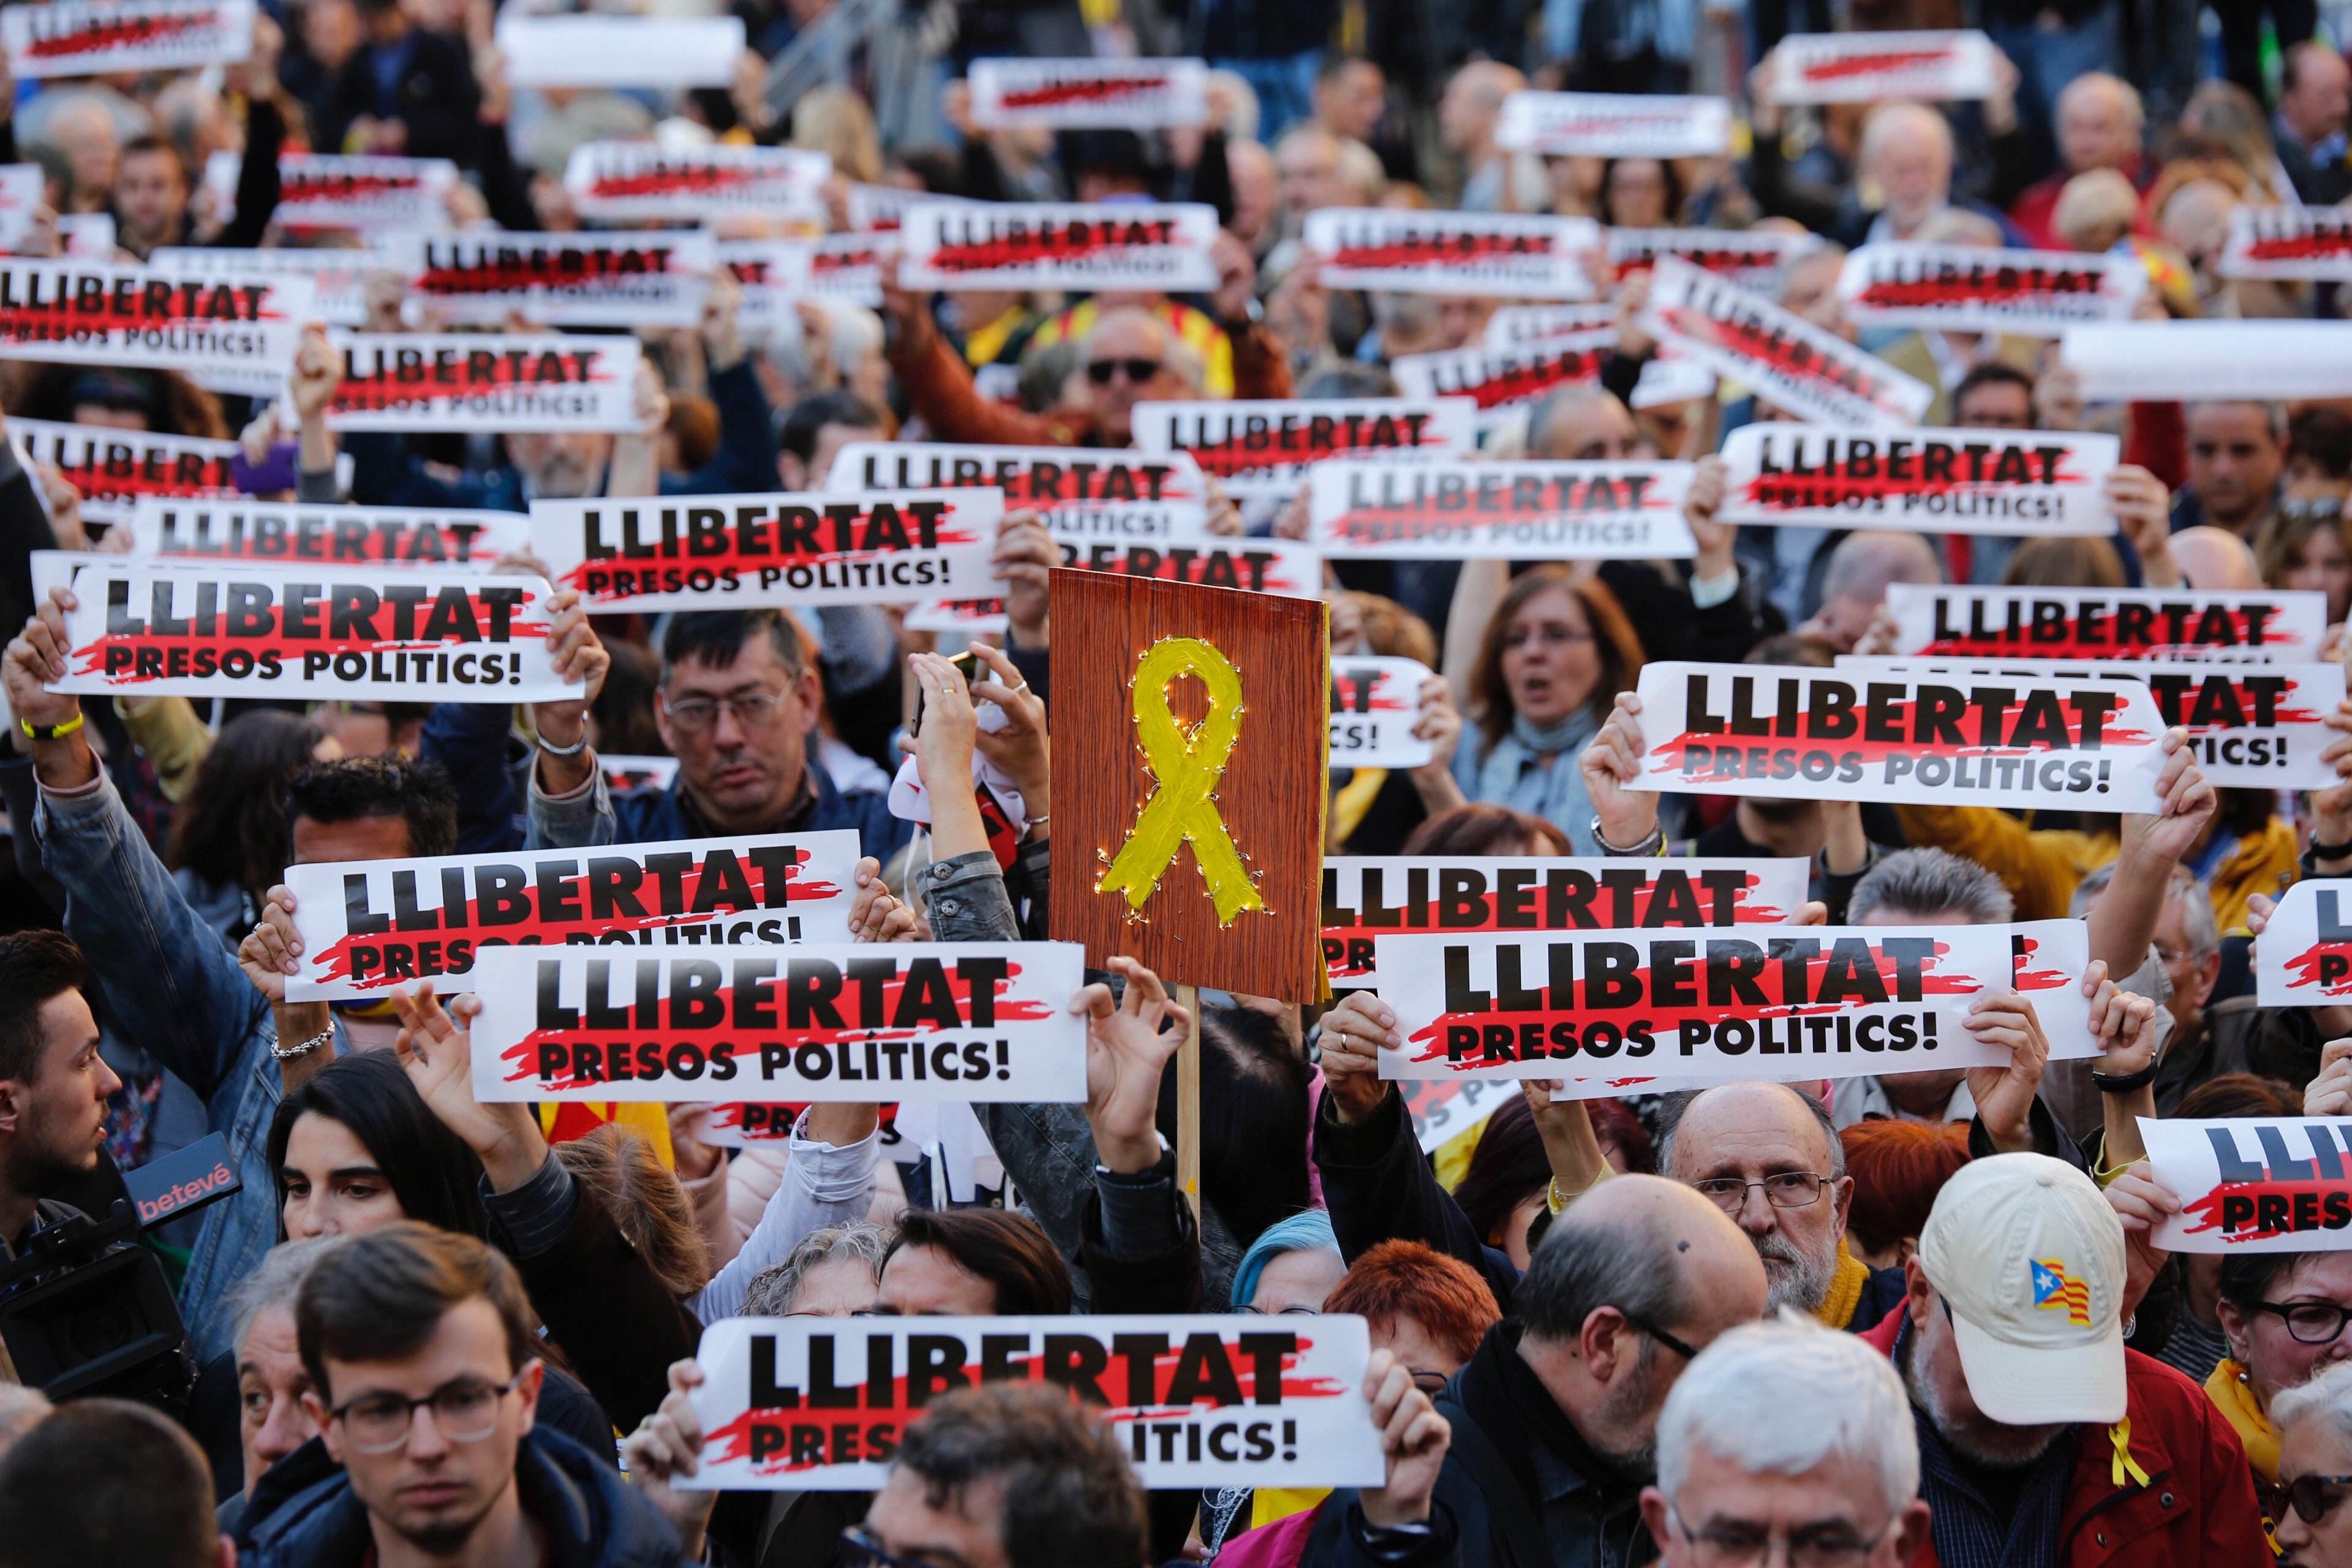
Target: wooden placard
1270,798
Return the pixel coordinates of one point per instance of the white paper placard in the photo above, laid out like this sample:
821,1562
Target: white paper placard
1524,510
113,468
319,190
1969,289
23,187
1375,701
620,51
471,381
1003,244
629,278
1496,254
2145,362
2288,243
1866,66
1503,382
104,37
338,275
2253,1183
2305,956
1614,125
2269,625
302,533
644,180
1089,94
1753,259
1077,493
90,313
1253,565
2009,482
1511,326
1783,358
1262,449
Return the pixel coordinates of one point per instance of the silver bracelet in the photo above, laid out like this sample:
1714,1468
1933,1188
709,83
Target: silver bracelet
1645,849
572,750
287,1053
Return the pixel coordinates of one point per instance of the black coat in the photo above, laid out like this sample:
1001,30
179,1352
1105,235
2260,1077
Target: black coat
435,98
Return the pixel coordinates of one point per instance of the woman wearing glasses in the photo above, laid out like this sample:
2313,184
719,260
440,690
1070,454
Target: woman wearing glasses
2284,1315
2315,1428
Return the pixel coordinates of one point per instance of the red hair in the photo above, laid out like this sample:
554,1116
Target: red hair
1898,1167
1405,1279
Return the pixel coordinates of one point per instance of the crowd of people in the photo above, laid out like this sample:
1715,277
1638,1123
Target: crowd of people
1803,1322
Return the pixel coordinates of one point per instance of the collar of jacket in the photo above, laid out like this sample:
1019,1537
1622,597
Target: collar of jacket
815,798
1549,1456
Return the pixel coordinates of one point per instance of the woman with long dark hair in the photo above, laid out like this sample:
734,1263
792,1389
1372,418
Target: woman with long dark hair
227,846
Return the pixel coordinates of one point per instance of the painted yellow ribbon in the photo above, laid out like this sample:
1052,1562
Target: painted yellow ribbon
1183,808
2125,1465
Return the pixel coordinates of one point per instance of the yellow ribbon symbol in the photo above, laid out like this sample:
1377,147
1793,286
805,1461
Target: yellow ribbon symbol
1182,809
2125,1465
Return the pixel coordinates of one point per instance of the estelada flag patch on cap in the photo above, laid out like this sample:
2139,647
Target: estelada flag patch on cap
2051,1288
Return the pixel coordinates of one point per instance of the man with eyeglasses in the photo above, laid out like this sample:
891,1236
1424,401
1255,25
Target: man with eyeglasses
2041,1438
2315,1425
1785,1442
424,1381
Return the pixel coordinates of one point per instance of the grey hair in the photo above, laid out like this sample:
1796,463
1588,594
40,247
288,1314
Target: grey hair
1673,1107
1889,120
1781,1396
2327,1396
1925,883
771,1292
275,1281
1585,1263
2198,920
1174,352
1864,563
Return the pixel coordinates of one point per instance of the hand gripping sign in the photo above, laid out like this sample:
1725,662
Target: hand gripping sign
2305,956
1262,450
2006,482
1089,94
1496,255
87,312
1863,67
1455,510
1078,493
1374,703
630,278
369,927
1365,897
2087,743
2117,361
2032,293
2253,1184
344,535
1614,125
833,1021
463,381
1003,244
2289,244
702,553
1503,382
824,1403
2267,627
144,628
101,37
114,470
1788,362
636,181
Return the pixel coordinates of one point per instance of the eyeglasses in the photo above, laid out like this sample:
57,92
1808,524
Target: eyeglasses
1430,1382
1138,370
2312,1496
1560,637
860,1549
2311,1322
1682,1348
752,711
1788,1190
466,1410
1738,1545
1284,1313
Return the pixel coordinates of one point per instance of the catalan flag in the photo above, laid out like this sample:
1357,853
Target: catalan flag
2051,1288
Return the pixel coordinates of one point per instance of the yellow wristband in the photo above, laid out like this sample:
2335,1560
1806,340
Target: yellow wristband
49,731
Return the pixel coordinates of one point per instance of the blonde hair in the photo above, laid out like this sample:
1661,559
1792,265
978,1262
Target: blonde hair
835,122
619,1169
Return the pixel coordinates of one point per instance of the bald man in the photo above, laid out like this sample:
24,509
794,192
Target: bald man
1468,116
2101,124
2215,560
1906,154
1860,570
2315,104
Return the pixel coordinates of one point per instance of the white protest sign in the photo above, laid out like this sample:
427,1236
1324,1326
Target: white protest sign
1089,94
338,274
1253,565
2267,625
628,278
2086,744
113,468
299,533
2304,958
2253,1183
1668,378
1262,449
775,276
969,1021
1375,701
1784,358
105,38
1004,245
1969,289
320,190
1865,67
1522,511
470,381
1513,325
1444,1109
88,312
89,237
2290,244
2032,482
2147,361
849,267
1503,382
700,553
1751,257
635,181
1496,254
1367,896
369,927
1078,493
1614,125
620,51
822,1404
23,187
244,629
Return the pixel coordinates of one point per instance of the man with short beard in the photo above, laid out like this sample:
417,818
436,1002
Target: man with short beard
2042,1439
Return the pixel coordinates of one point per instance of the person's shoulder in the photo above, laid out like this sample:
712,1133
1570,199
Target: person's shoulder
2165,1396
595,1516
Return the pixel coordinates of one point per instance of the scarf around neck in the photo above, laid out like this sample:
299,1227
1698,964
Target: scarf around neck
1550,740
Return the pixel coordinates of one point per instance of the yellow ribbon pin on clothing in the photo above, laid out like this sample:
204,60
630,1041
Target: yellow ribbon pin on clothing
1183,809
2125,1465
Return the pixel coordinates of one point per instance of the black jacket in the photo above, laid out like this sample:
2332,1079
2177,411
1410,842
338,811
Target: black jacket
436,99
1378,1187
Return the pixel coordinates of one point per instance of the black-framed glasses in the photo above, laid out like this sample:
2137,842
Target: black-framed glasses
860,1549
1680,1347
1430,1382
1283,1312
465,1409
2310,1322
1738,1544
752,711
1138,370
2312,1497
1786,1190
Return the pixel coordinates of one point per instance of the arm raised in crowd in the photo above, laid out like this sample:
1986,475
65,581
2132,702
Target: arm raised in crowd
2124,922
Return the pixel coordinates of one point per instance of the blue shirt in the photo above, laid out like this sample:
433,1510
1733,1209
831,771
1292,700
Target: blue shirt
1516,775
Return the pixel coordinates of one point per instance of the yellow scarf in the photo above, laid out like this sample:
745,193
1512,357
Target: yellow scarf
1845,1289
2234,1396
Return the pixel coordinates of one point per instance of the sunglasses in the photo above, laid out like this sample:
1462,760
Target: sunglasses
1138,370
2312,1496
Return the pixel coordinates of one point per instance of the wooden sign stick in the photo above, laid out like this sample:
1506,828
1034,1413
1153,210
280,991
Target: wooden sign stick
1188,1101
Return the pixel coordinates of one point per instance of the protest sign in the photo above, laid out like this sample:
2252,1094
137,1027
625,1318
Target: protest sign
1495,255
1864,68
88,235
106,38
2268,625
743,1125
88,312
1667,379
1456,510
22,192
1199,823
1365,896
1752,258
338,274
2288,243
882,209
622,773
824,1403
1502,383
1784,358
625,278
1513,325
2304,958
973,617
369,927
774,276
1262,449
1614,125
835,1021
1375,701
1444,1108
474,381
619,51
1089,94
635,181
1036,245
698,553
849,267
1253,565
2085,744
2030,293
2034,482
1078,493
414,634
321,190
297,532
113,468
2152,362
2253,1183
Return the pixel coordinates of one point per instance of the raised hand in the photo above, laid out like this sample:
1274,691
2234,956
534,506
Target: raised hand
1355,1033
2004,1095
437,1053
1612,760
668,1444
1128,1043
1413,1440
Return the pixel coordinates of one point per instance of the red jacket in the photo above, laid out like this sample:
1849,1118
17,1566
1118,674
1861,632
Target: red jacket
2196,1510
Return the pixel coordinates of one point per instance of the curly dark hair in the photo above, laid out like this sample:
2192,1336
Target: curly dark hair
232,827
353,789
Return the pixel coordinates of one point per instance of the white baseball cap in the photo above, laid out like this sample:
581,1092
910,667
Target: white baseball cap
2029,1258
